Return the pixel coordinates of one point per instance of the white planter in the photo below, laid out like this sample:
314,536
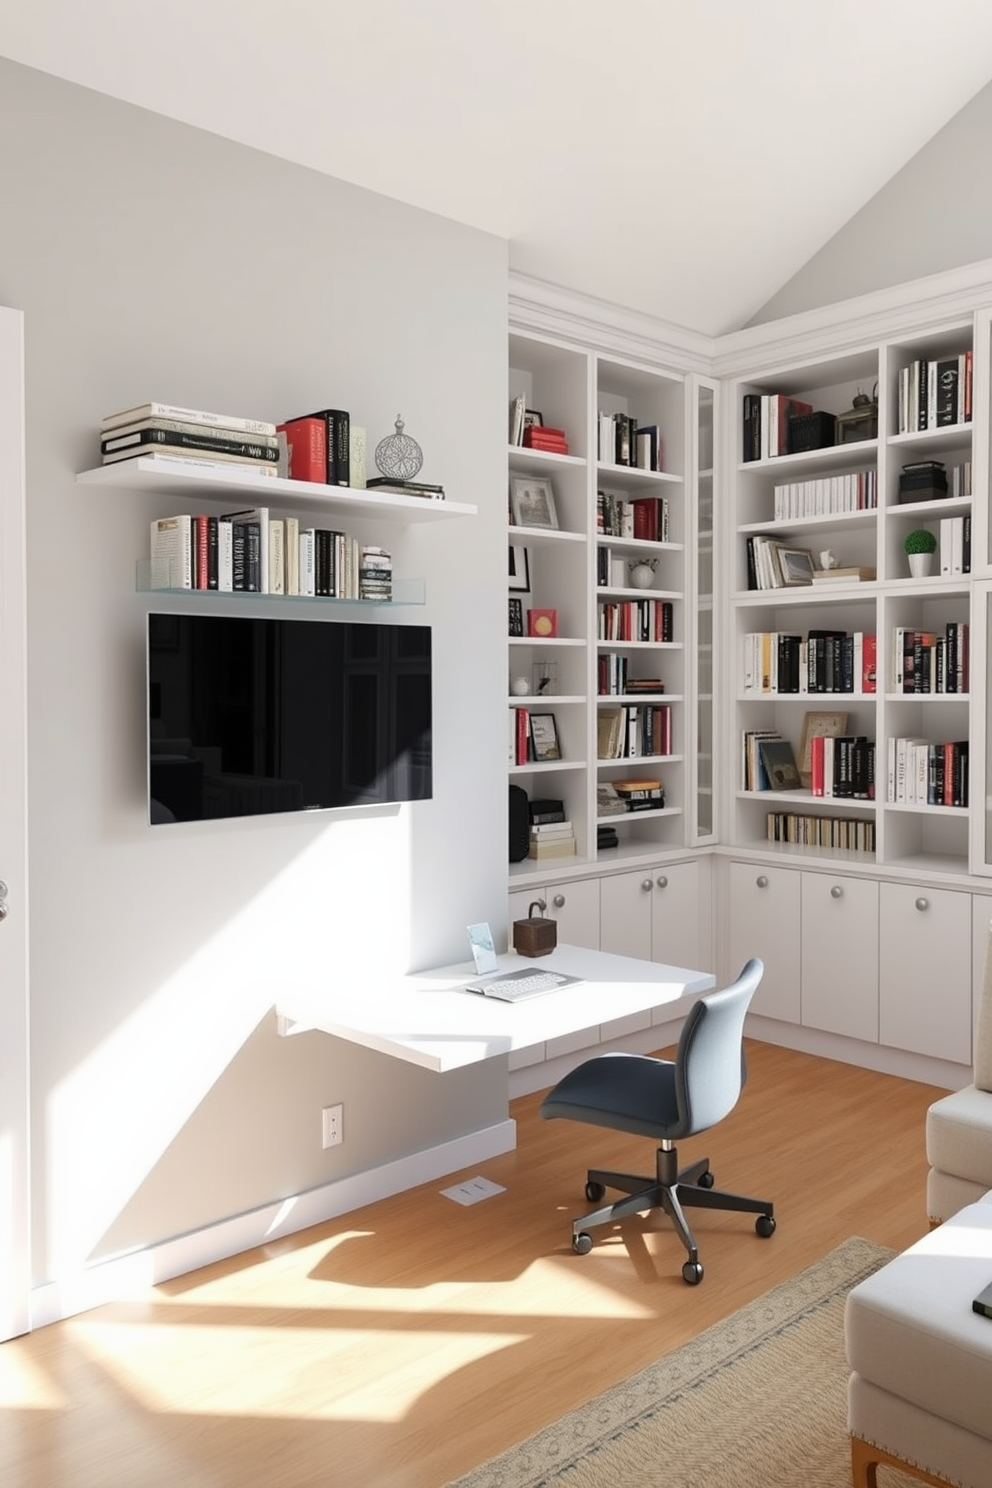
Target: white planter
920,564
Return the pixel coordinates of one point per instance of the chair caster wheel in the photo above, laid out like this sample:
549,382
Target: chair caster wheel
705,1180
582,1243
765,1225
595,1192
692,1273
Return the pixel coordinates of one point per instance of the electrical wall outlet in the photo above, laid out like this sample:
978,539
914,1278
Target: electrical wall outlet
333,1125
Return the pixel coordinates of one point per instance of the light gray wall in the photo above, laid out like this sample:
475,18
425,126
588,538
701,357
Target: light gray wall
935,214
156,261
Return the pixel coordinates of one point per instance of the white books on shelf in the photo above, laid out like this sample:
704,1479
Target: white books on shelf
171,554
225,555
144,411
292,555
277,555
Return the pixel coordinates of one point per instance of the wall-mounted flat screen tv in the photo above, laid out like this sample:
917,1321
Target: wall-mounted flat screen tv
248,717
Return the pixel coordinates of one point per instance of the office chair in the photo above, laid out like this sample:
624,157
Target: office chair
667,1099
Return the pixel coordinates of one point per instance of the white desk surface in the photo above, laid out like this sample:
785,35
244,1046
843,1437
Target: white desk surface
429,1019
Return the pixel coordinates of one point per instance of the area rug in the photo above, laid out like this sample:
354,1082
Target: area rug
760,1398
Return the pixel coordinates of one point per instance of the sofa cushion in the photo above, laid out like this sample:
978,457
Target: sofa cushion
959,1135
910,1328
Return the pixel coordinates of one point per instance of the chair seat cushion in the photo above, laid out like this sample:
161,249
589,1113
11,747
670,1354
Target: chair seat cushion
626,1092
911,1331
959,1135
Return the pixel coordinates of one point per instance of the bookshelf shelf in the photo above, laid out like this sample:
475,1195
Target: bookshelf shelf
157,475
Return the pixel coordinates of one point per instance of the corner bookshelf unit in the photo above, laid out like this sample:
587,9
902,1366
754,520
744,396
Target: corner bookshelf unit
842,504
618,660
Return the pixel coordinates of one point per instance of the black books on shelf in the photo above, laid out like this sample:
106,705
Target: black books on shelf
338,422
780,764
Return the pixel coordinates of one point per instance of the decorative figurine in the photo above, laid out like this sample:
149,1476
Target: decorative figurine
398,456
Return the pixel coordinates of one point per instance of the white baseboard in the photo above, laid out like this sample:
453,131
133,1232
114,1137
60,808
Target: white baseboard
130,1275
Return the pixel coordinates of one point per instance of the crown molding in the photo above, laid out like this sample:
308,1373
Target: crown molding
539,306
909,309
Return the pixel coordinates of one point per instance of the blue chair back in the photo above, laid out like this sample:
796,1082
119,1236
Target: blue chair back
709,1062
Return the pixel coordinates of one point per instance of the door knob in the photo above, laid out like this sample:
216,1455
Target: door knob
559,901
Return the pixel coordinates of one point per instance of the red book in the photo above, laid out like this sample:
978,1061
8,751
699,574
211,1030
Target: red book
869,648
816,764
307,441
646,519
523,736
201,552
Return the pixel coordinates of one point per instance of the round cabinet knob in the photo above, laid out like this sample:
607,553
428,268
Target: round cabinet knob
662,882
836,892
761,881
647,886
922,903
559,901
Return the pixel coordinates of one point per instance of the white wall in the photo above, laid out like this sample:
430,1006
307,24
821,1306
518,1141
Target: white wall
934,214
155,261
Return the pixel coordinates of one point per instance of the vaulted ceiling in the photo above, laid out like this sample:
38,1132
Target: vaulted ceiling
678,157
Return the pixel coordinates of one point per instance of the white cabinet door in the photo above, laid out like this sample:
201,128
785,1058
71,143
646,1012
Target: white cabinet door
625,901
925,977
574,904
840,955
764,921
680,914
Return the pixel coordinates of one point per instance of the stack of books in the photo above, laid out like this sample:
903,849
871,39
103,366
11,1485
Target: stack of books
641,795
551,840
426,489
190,436
542,437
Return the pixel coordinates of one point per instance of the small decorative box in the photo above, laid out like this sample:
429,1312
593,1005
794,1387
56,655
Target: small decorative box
535,936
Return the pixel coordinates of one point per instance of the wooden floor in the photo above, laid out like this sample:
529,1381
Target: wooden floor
405,1343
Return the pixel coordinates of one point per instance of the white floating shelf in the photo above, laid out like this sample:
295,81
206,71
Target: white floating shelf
166,477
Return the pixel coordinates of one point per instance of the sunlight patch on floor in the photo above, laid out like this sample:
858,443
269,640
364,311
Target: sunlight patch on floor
23,1386
283,1373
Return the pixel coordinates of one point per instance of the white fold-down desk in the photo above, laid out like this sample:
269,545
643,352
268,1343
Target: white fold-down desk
429,1019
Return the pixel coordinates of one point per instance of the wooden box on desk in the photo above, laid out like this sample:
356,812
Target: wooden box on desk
534,936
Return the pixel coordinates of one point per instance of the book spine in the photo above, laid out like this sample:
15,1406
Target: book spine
306,441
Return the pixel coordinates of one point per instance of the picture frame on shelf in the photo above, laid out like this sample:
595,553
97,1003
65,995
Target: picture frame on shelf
532,417
542,623
796,566
544,737
519,570
819,723
516,616
532,502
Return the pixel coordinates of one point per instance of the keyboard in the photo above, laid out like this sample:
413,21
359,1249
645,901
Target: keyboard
515,986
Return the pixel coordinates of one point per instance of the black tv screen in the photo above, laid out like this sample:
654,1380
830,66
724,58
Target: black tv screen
247,717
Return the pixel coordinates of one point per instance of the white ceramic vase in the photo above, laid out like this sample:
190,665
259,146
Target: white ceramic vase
920,564
642,576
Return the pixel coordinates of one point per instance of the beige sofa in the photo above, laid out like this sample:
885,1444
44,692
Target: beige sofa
959,1125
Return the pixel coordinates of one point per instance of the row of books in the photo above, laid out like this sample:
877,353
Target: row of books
926,661
846,834
766,418
622,441
533,737
635,620
251,552
935,393
954,545
856,491
842,765
822,661
634,731
644,517
613,677
924,774
190,434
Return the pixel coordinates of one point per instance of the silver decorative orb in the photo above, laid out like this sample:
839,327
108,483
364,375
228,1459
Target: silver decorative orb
398,456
